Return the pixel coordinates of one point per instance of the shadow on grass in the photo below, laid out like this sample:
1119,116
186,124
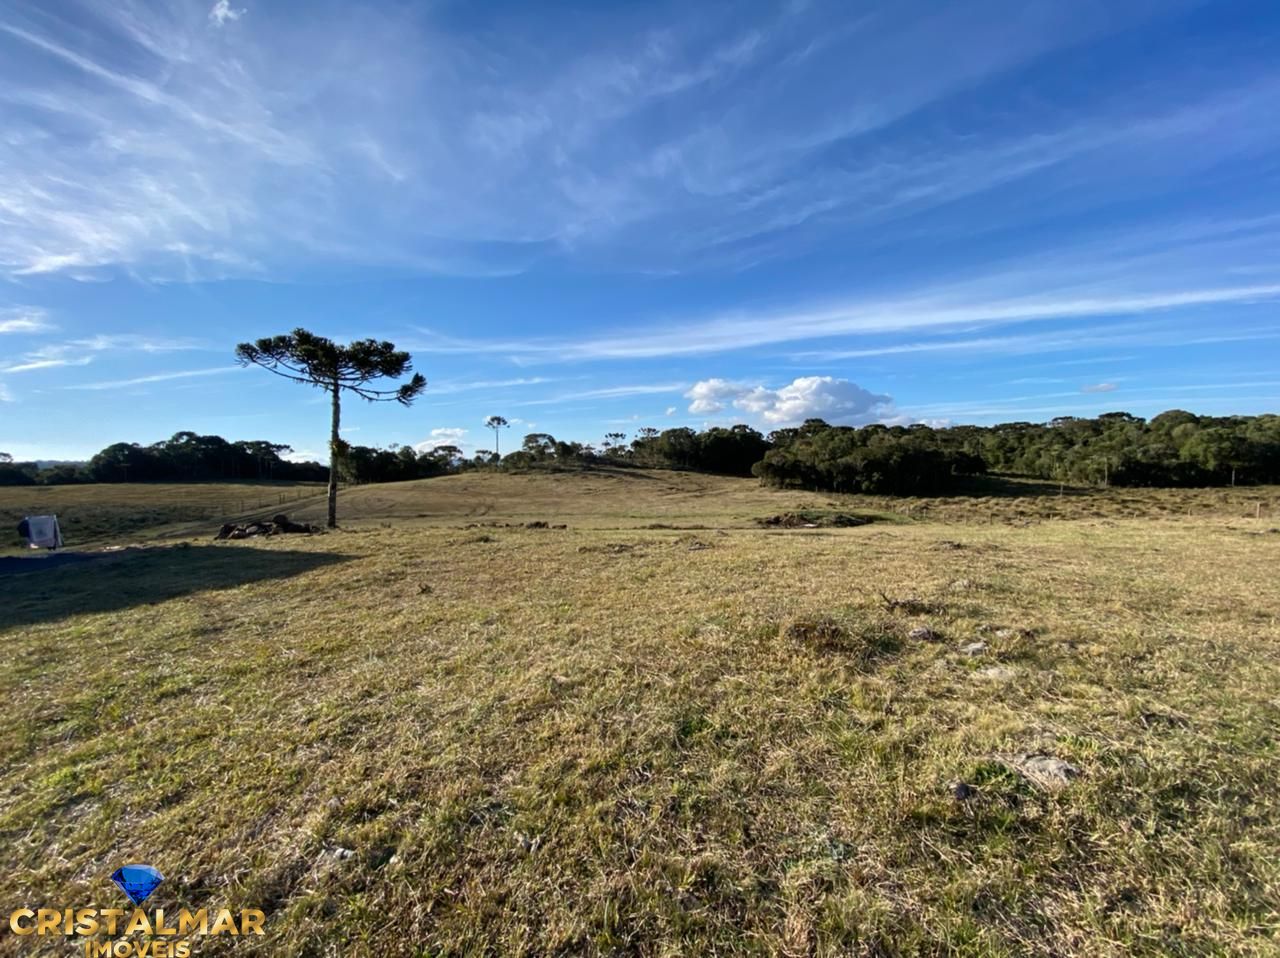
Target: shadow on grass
141,577
1011,487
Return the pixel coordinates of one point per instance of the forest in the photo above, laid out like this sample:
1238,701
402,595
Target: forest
1175,448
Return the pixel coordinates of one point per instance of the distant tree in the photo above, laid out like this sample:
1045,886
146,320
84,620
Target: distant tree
5,457
495,423
304,357
614,440
539,445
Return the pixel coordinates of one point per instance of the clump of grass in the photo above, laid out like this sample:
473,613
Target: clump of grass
823,634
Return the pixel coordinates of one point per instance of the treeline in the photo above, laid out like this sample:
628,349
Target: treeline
898,460
186,457
1175,448
191,457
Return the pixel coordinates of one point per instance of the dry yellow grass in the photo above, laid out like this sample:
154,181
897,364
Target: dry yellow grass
609,739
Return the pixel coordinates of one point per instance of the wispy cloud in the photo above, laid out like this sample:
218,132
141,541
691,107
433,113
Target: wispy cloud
159,378
82,352
609,392
24,319
945,308
186,149
1098,388
445,388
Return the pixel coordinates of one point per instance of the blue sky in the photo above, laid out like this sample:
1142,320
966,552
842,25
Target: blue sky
591,217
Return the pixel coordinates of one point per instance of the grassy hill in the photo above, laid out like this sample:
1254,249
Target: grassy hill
114,514
440,732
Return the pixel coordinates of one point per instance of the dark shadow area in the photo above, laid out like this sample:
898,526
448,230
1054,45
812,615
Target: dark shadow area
1011,487
123,580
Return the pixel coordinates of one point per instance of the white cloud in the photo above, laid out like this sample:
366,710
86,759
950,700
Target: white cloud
444,436
223,11
1016,294
444,388
159,378
671,410
1098,388
82,352
823,397
23,320
710,395
5,394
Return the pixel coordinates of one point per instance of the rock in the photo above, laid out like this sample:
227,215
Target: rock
996,673
1007,635
962,791
961,585
922,633
341,854
1042,770
975,648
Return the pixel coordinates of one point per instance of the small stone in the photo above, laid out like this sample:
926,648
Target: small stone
996,673
922,633
975,648
340,853
1042,770
961,585
1006,634
962,791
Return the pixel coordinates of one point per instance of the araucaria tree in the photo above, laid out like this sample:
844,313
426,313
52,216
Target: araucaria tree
495,423
304,357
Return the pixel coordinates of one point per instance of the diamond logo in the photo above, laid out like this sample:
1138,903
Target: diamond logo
137,881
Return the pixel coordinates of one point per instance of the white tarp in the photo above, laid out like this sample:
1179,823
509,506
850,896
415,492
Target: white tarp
43,532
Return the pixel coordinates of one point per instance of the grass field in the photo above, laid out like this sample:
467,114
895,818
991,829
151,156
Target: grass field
663,730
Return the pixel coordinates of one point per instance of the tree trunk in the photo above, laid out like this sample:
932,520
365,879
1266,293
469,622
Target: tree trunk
334,452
